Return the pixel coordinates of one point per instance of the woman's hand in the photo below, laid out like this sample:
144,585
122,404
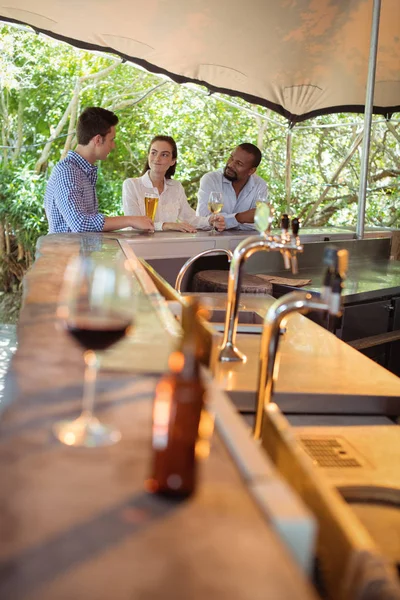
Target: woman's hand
217,221
142,223
185,227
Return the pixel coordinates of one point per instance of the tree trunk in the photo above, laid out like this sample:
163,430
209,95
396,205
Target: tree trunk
28,256
322,219
2,240
262,125
7,238
20,129
72,119
393,130
72,106
46,150
21,252
4,127
118,105
336,174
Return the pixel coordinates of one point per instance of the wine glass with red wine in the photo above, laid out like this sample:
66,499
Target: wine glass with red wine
96,307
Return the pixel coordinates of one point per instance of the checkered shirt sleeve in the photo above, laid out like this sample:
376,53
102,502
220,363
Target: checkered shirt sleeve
71,202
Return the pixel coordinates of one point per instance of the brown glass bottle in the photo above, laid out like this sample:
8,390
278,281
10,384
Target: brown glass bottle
176,414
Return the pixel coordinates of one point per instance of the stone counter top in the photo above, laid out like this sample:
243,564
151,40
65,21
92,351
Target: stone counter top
171,244
318,373
371,273
76,523
366,280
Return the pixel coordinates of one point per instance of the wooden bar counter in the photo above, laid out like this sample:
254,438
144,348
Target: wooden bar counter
77,523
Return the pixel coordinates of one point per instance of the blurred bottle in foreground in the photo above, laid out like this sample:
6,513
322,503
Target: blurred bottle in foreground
177,410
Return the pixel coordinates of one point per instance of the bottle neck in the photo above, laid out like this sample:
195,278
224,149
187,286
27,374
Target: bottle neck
190,345
190,369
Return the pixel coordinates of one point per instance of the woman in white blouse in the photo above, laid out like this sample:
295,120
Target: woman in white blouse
173,211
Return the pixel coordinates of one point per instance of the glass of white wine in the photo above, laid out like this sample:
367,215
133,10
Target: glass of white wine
261,200
215,205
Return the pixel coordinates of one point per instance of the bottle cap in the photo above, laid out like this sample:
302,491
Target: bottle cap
176,362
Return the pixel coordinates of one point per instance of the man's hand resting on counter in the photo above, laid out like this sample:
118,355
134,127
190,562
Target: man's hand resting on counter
217,221
115,223
142,223
246,216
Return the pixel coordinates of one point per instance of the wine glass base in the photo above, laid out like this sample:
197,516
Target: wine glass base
84,432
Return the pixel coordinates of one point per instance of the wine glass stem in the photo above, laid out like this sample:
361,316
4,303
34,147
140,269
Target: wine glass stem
89,384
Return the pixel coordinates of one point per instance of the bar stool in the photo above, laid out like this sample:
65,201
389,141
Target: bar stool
217,281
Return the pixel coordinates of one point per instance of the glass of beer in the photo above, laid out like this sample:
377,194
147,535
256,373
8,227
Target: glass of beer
215,205
150,205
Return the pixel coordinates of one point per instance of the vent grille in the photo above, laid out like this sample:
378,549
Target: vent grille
329,452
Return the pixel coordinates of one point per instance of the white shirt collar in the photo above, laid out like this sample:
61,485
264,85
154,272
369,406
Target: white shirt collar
147,182
250,182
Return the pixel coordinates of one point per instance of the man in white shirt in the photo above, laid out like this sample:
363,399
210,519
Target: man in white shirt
239,185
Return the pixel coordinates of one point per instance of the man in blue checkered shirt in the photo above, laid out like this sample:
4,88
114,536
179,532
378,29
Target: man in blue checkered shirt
70,201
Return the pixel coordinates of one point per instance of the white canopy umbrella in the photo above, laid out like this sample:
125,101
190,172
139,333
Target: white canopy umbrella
301,58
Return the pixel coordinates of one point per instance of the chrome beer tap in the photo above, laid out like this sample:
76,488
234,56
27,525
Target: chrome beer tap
192,259
285,237
330,302
266,242
336,262
295,240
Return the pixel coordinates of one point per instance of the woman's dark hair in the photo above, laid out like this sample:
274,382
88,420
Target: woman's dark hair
172,143
94,121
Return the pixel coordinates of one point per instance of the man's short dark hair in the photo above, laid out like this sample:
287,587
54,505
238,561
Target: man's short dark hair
94,121
254,151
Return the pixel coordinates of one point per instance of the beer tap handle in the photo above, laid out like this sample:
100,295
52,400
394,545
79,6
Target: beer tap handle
330,262
326,286
341,265
330,258
295,226
270,217
285,239
336,294
284,223
286,258
293,262
295,240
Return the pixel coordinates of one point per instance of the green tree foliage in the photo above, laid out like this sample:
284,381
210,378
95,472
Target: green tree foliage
40,79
